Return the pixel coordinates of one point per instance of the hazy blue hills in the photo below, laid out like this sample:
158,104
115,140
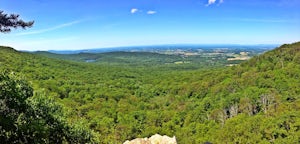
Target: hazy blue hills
155,48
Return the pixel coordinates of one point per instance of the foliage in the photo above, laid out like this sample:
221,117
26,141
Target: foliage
28,119
254,102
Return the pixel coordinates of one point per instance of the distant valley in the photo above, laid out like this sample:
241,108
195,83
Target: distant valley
193,56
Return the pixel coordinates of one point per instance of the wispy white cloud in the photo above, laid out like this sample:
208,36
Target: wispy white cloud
150,12
134,10
210,2
51,28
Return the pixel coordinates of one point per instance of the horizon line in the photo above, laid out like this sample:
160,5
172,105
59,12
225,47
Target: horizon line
155,45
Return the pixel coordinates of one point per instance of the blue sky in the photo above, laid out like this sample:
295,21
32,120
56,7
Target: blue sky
83,24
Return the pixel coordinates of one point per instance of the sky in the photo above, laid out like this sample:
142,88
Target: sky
85,24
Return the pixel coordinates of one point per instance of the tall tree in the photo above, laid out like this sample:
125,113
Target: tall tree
9,21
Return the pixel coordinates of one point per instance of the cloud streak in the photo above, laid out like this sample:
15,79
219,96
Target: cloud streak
210,2
151,12
133,10
51,28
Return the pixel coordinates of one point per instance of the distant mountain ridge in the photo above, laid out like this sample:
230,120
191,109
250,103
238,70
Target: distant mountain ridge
190,56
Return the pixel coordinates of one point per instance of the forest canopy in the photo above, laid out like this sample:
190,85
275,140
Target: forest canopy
25,118
256,101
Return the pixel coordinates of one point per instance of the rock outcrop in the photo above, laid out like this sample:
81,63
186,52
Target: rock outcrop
155,139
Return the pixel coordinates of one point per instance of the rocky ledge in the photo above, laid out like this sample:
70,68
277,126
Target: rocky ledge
155,139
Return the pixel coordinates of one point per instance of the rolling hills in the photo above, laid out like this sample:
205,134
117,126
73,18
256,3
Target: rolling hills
176,56
257,101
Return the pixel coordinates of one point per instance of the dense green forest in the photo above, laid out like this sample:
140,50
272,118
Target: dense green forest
257,101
